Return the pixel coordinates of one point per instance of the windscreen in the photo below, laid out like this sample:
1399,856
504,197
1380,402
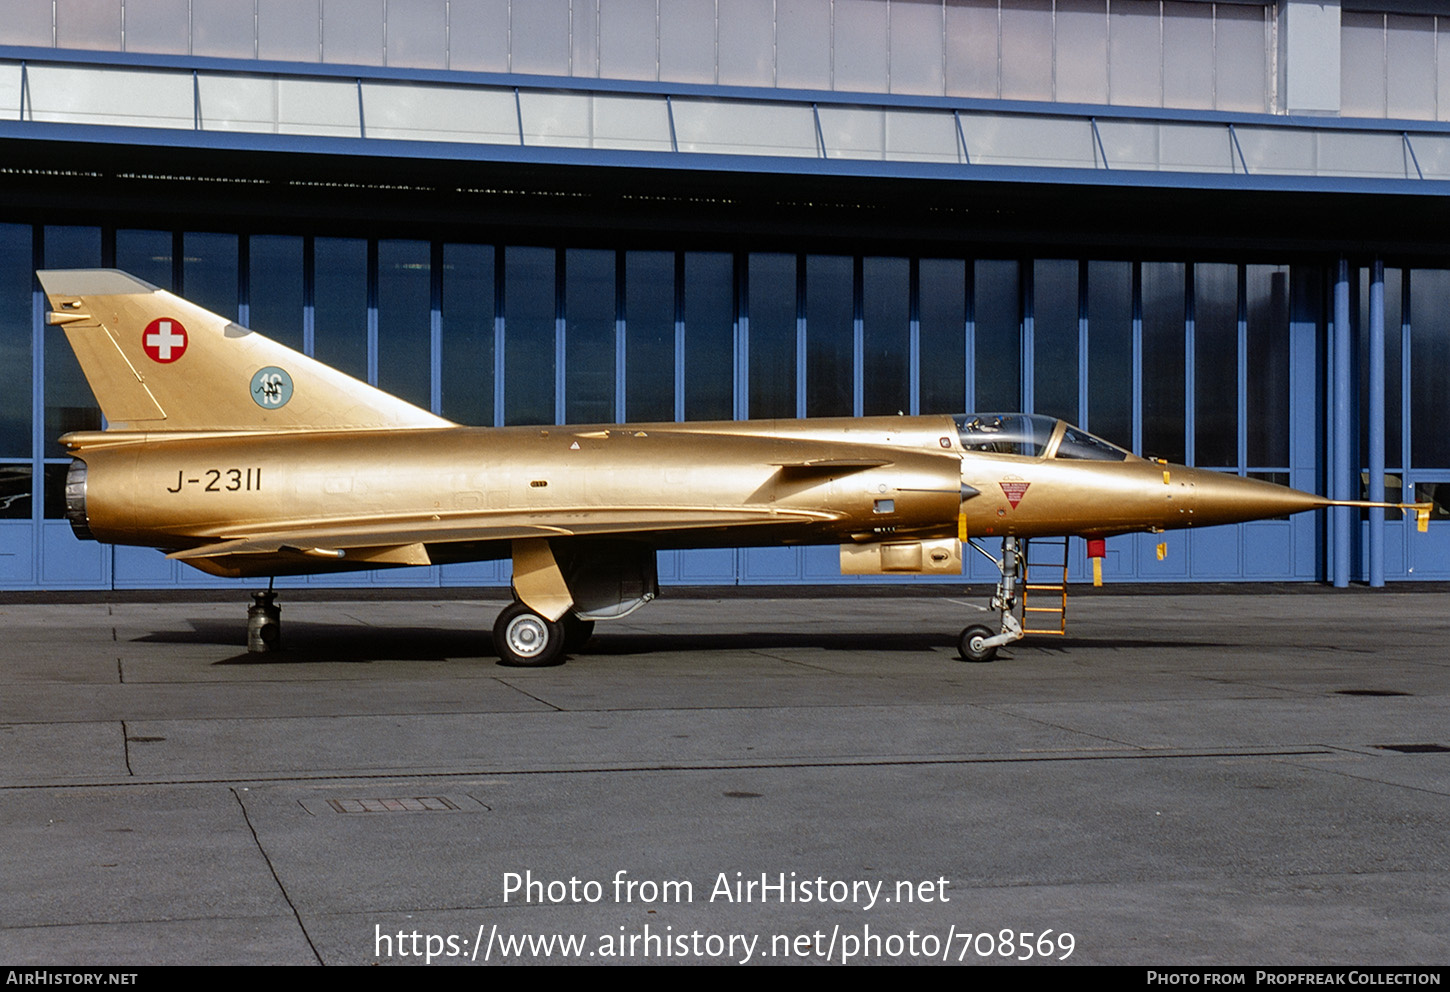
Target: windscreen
1078,443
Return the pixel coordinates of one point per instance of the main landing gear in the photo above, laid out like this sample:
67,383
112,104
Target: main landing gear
264,622
979,643
526,639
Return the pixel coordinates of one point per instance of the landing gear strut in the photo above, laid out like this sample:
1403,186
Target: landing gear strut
264,623
980,643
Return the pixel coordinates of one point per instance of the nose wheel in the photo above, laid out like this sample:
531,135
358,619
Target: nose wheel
972,646
979,643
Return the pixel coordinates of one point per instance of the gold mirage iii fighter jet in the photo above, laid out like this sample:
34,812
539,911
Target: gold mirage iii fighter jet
242,457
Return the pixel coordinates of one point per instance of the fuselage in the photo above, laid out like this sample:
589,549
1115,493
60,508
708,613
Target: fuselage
465,492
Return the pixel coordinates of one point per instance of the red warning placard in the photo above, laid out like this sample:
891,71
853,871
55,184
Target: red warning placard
1014,491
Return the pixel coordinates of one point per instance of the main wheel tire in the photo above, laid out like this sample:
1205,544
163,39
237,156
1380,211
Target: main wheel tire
576,632
969,646
525,639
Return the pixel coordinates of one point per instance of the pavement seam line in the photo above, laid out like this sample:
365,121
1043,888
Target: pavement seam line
247,819
544,702
401,775
126,748
1362,778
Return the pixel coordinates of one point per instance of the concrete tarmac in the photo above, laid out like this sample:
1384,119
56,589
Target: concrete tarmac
1185,779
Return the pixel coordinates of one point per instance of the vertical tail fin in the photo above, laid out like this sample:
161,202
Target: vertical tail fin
159,363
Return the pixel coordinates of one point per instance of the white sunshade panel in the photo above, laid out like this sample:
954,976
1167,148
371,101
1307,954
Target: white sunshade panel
405,112
10,80
1006,139
1432,154
739,128
62,94
326,107
584,120
1374,154
1156,147
387,110
890,135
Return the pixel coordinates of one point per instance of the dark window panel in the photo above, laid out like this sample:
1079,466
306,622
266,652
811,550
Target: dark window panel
529,313
998,313
772,312
209,272
709,303
1429,369
275,290
468,322
589,308
649,319
829,336
1164,366
1110,351
886,326
1054,332
405,337
943,315
146,255
53,507
1215,363
340,297
1437,494
1266,289
17,486
15,341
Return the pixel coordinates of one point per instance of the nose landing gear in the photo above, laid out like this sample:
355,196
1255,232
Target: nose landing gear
978,643
1043,573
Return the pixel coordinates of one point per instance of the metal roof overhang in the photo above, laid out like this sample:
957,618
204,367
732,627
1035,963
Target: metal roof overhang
821,196
77,174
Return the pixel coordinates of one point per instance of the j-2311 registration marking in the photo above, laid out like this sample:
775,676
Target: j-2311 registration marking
220,480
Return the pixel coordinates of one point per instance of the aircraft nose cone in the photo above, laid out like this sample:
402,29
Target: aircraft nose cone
1219,498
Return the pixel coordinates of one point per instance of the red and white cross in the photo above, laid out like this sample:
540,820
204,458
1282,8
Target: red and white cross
164,340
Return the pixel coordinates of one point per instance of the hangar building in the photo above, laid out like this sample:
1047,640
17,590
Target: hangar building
1212,231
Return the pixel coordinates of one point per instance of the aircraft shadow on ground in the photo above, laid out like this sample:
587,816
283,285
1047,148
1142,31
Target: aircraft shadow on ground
623,644
324,642
305,642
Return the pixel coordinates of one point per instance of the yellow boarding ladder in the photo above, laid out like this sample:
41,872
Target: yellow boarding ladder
1044,559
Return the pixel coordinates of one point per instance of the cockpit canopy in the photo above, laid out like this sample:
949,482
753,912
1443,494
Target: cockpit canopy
1032,435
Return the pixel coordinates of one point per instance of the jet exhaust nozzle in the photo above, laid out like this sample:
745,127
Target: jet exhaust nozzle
75,500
